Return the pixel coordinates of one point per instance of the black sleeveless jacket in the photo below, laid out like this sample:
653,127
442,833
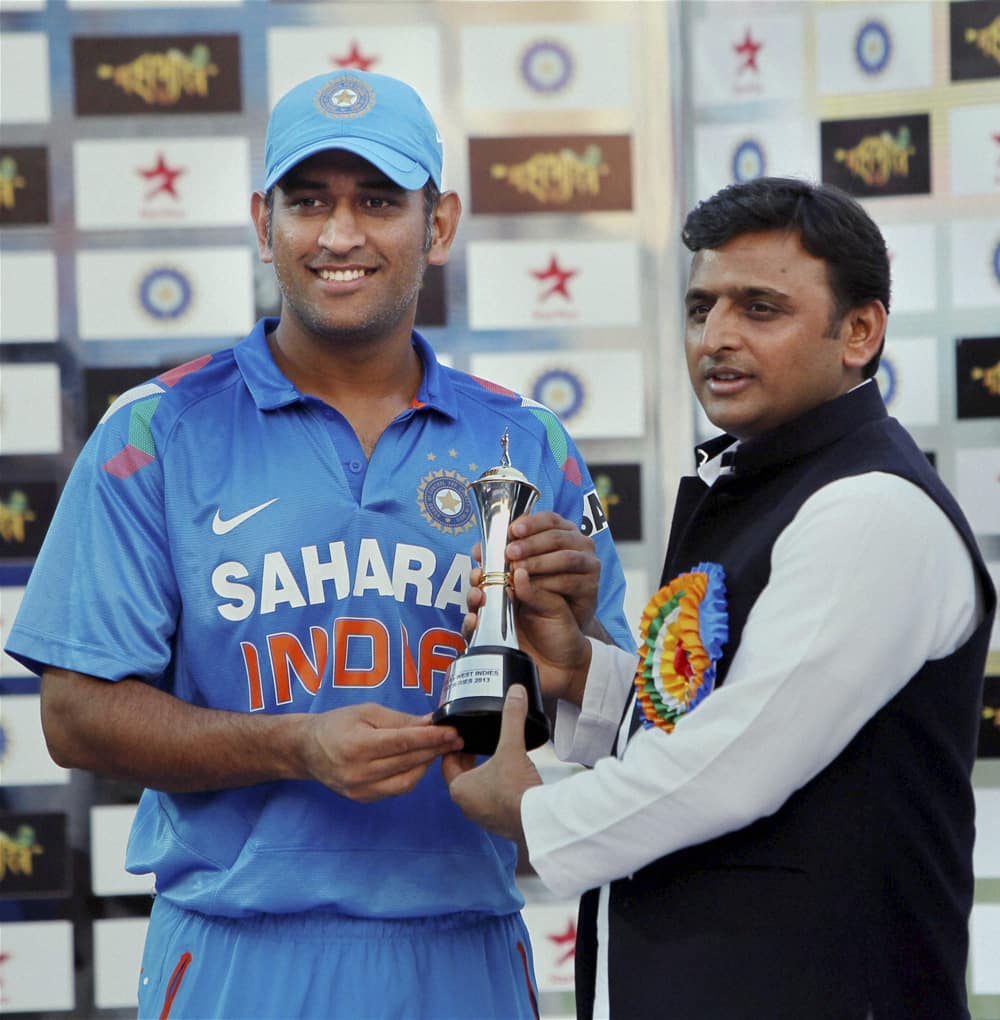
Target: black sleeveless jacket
853,899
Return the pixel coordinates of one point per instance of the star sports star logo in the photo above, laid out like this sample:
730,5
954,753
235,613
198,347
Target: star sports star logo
162,177
565,943
554,280
354,59
748,50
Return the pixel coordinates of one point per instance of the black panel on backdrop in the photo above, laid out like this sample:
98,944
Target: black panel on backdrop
977,377
26,510
874,156
620,489
103,386
129,74
34,855
974,27
24,185
431,304
989,727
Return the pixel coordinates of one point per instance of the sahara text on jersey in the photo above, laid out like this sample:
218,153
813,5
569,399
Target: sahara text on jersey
277,584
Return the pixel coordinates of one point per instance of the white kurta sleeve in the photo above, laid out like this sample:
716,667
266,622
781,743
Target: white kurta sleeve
587,733
868,582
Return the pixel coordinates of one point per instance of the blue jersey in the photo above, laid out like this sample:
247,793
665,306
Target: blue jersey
225,538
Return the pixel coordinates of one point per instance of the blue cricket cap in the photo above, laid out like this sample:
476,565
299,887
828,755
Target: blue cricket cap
379,118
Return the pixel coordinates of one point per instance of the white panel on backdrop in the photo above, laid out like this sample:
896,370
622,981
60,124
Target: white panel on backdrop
37,972
912,254
109,829
30,408
908,378
978,487
22,5
24,758
24,78
547,66
864,48
730,154
975,150
975,263
742,56
410,52
533,284
118,945
119,4
158,293
984,949
594,393
162,182
29,303
10,602
986,854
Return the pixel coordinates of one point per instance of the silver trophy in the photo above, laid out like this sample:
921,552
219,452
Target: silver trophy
477,681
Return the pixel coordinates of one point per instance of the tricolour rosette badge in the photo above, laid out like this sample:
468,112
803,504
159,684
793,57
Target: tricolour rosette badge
683,628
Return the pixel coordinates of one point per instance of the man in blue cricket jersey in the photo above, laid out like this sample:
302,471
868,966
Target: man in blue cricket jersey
255,581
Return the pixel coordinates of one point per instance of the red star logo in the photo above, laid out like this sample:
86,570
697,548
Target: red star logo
568,939
558,277
748,49
354,59
164,176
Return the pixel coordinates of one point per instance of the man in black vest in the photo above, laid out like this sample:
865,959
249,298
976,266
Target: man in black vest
779,821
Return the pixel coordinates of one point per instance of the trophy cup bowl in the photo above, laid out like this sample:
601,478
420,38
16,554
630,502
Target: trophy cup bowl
477,681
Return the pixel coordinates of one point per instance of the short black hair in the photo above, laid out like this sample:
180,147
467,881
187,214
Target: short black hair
831,224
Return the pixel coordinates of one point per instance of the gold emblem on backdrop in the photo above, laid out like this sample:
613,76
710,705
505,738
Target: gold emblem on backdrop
17,853
878,158
989,377
555,177
10,182
161,79
986,39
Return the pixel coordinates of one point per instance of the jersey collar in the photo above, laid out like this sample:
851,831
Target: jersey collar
271,389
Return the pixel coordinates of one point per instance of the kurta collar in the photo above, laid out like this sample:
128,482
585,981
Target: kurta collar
802,436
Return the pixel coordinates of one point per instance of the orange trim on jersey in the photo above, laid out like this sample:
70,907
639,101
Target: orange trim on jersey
527,979
174,984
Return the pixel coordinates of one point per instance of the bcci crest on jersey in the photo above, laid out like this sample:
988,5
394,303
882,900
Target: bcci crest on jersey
444,501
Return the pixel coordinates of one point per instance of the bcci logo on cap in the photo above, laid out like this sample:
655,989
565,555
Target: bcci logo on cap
345,96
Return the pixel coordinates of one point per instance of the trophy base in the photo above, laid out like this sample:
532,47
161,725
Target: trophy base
476,714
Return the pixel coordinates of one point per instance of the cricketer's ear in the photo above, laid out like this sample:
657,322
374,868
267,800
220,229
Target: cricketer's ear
261,216
444,225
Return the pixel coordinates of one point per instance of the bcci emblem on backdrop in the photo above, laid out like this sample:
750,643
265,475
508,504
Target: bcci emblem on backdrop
560,390
749,161
346,96
873,47
165,293
546,66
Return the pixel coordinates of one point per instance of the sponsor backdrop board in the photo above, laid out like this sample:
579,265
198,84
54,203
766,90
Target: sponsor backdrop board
131,141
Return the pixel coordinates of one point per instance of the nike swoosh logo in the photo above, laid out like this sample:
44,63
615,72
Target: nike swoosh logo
222,527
